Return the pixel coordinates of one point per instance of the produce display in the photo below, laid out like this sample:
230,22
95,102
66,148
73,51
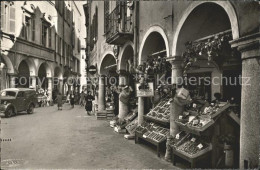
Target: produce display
161,111
184,118
178,138
131,116
192,145
199,122
131,127
152,131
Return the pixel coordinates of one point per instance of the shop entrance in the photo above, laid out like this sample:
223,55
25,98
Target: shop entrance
108,80
23,80
42,74
4,83
233,88
153,61
57,79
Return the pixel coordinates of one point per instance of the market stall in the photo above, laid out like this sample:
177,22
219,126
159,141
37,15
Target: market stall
208,125
156,119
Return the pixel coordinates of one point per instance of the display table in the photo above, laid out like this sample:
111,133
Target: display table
158,121
192,159
196,131
157,144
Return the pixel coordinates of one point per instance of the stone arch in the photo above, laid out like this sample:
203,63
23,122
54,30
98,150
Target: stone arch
107,59
31,65
49,70
151,30
123,57
9,64
58,72
227,6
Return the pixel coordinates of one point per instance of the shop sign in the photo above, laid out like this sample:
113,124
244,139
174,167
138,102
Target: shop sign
144,90
92,69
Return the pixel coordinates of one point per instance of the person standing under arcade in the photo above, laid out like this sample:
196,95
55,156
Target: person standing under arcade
89,98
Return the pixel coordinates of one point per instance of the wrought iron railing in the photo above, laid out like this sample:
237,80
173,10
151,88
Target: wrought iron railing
117,22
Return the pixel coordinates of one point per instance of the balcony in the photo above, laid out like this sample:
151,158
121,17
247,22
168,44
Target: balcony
119,27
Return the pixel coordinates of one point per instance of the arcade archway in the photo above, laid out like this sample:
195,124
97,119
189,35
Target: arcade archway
44,73
204,26
58,80
23,75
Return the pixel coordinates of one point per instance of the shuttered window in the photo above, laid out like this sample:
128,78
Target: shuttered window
3,16
33,28
12,19
106,13
44,34
49,37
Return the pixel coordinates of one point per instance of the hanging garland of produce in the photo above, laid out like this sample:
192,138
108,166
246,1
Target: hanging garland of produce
212,48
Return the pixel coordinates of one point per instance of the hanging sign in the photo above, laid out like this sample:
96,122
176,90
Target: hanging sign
92,69
144,90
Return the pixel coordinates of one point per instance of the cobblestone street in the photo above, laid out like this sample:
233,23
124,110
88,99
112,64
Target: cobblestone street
70,139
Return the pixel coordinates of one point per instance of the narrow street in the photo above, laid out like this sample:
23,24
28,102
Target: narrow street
70,139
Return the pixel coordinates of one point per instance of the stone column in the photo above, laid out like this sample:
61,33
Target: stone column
33,84
50,87
12,81
141,105
175,108
61,86
101,93
249,47
123,107
123,78
140,110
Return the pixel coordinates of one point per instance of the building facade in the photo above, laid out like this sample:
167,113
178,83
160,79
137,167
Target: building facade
125,34
41,44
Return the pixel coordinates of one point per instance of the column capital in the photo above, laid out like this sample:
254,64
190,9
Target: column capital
249,46
175,61
12,74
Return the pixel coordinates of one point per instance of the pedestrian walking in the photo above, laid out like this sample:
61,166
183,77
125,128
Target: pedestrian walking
59,101
89,99
72,99
82,98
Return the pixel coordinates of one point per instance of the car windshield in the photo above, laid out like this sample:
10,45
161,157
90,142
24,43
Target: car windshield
8,93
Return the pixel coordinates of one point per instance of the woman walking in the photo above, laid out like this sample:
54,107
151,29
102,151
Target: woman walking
72,99
59,101
82,98
89,99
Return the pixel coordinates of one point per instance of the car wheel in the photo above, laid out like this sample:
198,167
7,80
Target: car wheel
9,112
30,109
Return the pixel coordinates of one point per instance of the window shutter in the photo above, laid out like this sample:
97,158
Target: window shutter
106,13
49,37
33,28
96,24
12,19
3,19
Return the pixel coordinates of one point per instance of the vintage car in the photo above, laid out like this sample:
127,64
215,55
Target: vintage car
14,100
